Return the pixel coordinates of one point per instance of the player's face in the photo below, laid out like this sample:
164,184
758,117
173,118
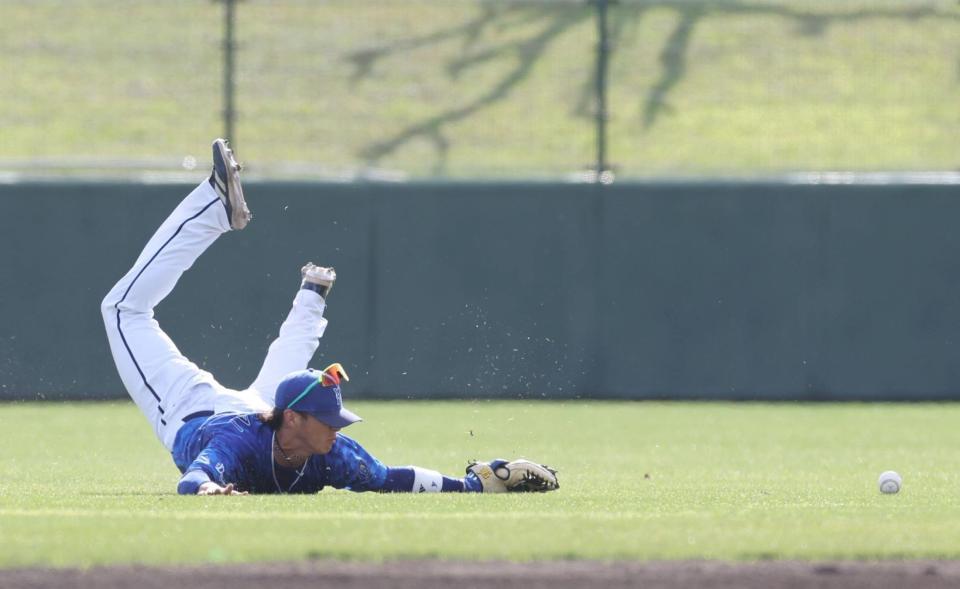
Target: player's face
318,435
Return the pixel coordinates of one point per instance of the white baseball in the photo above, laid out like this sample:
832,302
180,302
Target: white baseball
890,482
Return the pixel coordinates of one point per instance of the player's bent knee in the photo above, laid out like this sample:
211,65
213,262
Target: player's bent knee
108,306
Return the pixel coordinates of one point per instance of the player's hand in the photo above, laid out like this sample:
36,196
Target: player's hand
215,489
516,476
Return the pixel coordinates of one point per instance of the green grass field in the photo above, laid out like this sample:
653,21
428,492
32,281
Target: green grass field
477,89
86,484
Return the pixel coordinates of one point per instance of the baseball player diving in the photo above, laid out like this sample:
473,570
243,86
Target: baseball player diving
282,434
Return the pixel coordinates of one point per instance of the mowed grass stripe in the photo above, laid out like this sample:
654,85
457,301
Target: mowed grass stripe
322,516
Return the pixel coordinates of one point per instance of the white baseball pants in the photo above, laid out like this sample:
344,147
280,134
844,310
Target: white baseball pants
166,386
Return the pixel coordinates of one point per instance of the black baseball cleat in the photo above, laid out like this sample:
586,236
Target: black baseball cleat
225,180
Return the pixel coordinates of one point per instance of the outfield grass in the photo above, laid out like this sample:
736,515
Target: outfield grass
490,89
85,484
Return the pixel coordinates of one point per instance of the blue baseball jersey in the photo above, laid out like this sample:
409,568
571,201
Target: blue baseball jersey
238,448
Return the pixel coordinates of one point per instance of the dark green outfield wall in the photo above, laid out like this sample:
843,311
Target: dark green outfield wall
647,291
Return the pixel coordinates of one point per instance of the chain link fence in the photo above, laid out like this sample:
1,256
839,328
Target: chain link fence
472,89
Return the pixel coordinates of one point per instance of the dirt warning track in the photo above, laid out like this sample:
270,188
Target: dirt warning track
432,574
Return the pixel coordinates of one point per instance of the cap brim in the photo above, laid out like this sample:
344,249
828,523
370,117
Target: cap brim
342,418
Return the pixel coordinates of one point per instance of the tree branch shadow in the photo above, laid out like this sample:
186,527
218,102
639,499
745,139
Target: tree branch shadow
673,57
364,60
525,52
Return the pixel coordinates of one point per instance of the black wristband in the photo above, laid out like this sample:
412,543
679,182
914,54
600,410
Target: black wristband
320,289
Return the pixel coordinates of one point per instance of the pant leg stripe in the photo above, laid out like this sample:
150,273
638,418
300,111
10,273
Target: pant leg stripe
127,292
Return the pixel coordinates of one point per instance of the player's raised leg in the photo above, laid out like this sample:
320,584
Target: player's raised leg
151,367
300,333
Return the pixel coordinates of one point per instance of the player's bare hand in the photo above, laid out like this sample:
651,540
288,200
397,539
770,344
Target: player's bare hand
215,489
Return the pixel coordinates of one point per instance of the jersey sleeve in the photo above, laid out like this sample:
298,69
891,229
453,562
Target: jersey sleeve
351,467
218,462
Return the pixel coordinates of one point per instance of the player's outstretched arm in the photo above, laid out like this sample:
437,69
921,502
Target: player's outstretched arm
416,479
496,476
351,467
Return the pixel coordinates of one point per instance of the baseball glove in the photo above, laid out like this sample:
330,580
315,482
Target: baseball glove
517,476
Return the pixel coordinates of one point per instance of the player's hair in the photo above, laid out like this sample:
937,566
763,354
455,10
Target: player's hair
274,418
